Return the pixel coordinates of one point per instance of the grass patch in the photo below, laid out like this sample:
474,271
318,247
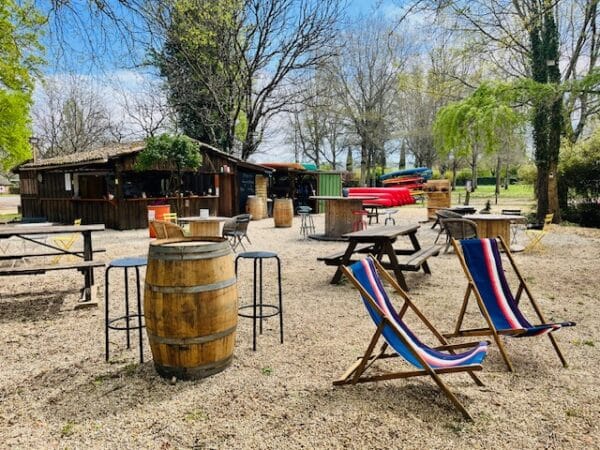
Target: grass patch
266,371
196,415
9,217
514,191
68,429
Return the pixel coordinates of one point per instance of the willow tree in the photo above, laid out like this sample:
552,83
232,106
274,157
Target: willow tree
476,125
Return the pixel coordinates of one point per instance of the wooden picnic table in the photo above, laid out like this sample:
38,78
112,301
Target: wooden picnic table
338,212
31,234
379,242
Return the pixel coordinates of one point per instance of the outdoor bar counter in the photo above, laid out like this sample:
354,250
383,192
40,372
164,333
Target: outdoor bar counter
123,214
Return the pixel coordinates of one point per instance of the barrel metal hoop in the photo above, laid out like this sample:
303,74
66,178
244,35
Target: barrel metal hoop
191,373
191,289
159,254
190,341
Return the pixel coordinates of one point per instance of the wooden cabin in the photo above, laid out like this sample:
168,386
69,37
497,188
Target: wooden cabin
102,186
295,181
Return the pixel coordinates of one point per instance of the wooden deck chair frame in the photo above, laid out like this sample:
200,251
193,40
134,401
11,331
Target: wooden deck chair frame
170,217
166,230
355,373
536,236
491,330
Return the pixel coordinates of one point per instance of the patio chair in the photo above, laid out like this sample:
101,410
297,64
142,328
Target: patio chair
166,230
236,230
481,262
514,225
536,236
65,242
366,275
443,214
458,229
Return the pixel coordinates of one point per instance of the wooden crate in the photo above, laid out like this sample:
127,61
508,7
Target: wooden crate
435,201
437,185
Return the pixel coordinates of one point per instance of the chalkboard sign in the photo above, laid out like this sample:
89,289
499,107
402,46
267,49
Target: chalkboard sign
247,187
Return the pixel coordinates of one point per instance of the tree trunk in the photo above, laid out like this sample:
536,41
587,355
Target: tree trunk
498,174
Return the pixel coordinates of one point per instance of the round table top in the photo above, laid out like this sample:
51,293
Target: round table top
203,219
339,197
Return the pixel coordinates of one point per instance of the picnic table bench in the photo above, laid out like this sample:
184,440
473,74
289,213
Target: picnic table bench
379,242
28,233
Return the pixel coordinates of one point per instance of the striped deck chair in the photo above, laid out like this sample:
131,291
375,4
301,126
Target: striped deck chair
481,262
365,275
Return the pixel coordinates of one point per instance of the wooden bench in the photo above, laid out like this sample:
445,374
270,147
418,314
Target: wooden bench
85,267
336,258
416,260
38,269
34,255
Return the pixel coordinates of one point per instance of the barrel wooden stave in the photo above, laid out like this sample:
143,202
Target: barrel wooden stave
283,212
257,206
190,307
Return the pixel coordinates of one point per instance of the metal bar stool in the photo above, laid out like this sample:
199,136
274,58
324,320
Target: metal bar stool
307,225
257,303
111,324
389,217
360,223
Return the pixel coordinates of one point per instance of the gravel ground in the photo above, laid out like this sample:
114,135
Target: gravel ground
56,390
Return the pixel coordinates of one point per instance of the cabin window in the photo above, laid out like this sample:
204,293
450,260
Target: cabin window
92,186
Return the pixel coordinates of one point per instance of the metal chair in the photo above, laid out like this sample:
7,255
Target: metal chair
65,242
236,230
441,214
536,236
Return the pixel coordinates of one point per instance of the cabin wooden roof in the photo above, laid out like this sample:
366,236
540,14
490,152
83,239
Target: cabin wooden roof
115,151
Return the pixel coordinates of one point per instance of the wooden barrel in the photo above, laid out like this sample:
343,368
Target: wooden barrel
283,212
257,206
190,306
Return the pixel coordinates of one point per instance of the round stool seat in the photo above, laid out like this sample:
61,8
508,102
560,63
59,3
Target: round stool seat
254,255
129,262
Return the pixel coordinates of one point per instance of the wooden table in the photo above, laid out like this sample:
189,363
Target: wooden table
338,213
379,242
28,233
493,225
204,226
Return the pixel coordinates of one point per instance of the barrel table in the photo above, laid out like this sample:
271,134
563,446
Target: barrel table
338,214
190,306
283,212
257,206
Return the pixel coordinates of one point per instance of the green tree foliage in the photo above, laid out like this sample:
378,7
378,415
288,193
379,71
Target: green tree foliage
202,68
579,168
476,124
19,48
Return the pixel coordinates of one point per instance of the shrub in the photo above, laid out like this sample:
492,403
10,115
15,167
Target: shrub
462,176
527,174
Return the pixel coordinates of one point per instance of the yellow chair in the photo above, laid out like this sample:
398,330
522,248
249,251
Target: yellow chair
535,236
65,243
170,217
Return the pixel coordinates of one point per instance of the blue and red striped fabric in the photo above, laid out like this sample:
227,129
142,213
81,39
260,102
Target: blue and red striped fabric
366,274
485,265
